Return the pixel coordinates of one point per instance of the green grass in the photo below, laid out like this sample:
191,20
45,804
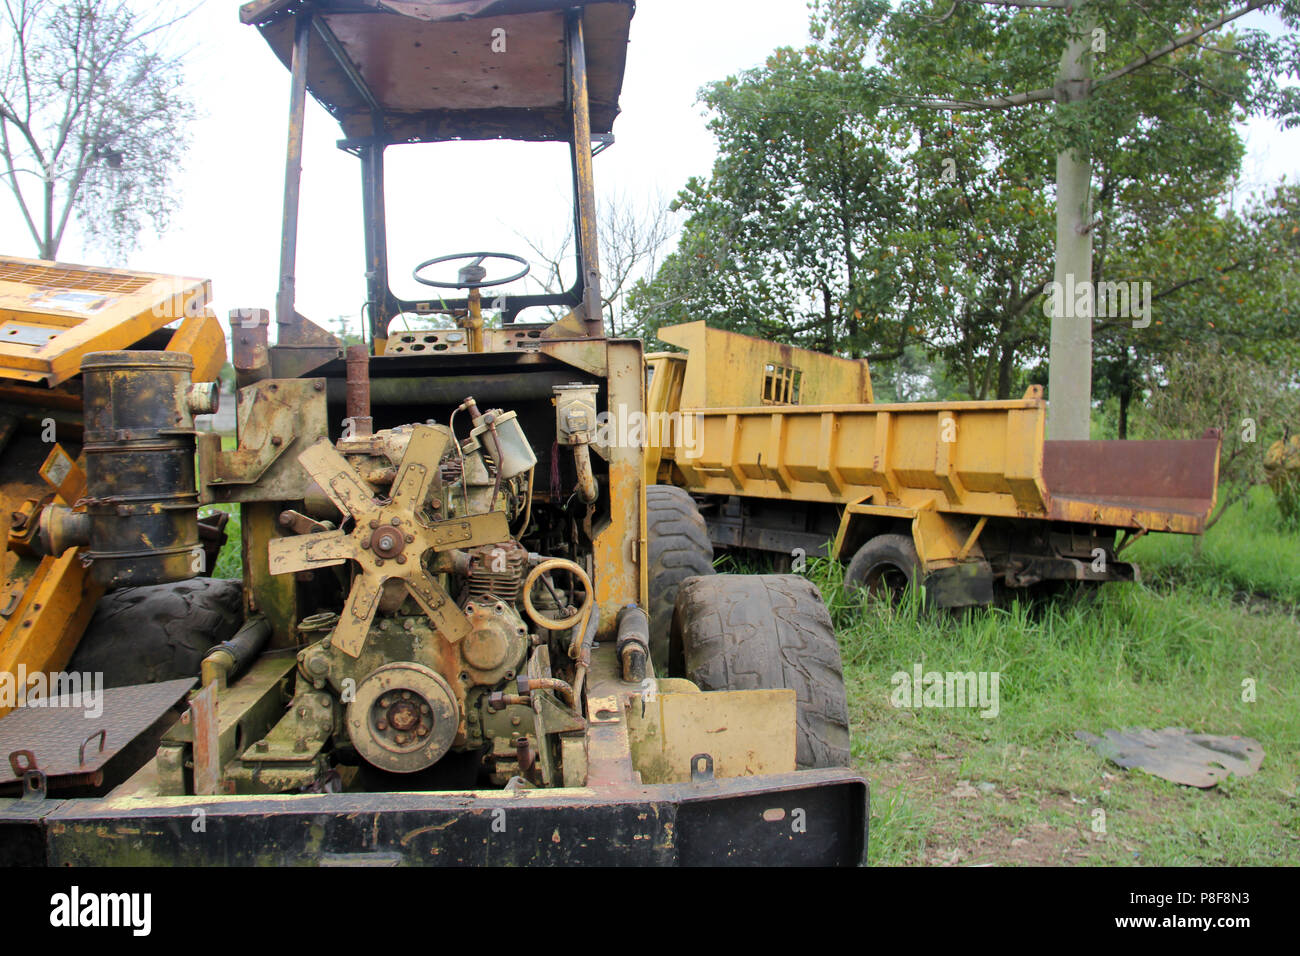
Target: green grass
230,562
1172,652
1248,550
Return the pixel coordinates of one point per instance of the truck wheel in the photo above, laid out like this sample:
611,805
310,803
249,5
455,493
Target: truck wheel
146,635
884,567
679,549
766,632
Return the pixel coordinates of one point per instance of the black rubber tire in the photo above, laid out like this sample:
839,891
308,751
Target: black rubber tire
679,549
766,632
884,567
150,634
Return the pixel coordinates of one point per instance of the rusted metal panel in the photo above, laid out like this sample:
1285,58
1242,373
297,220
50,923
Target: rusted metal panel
1151,485
75,736
746,732
273,416
439,71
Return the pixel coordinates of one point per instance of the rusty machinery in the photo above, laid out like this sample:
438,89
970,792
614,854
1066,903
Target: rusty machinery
445,562
52,316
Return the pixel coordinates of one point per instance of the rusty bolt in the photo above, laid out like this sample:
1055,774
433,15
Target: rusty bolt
385,701
410,538
381,724
422,731
276,441
300,745
406,695
262,746
374,523
515,721
286,519
379,562
401,559
400,738
424,708
394,521
435,505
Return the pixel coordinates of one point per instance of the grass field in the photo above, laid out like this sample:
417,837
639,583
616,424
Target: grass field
950,787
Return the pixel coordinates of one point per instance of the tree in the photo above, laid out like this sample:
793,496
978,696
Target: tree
92,120
1250,401
797,235
944,237
994,55
1221,279
632,237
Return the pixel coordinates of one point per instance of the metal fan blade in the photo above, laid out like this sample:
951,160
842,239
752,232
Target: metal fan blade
419,467
354,621
336,478
450,620
306,551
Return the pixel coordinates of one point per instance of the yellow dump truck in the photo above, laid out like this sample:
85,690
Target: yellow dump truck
785,451
51,316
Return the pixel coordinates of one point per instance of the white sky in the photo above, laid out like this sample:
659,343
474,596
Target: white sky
228,226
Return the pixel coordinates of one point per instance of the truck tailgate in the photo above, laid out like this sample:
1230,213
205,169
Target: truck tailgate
1152,485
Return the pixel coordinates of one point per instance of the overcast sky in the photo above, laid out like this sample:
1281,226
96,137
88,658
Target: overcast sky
447,198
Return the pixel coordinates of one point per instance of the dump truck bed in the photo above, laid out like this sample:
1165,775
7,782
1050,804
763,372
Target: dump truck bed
969,458
995,464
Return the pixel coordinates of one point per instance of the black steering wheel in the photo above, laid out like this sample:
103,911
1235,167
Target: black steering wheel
472,276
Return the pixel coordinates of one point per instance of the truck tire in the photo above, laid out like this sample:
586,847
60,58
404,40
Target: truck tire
767,632
146,635
679,548
884,567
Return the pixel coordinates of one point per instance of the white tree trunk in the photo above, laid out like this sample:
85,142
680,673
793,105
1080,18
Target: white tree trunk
1069,373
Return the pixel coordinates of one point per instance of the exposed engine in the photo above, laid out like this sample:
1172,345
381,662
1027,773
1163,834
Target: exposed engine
451,634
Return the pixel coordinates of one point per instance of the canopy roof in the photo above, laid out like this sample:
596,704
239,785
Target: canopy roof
431,68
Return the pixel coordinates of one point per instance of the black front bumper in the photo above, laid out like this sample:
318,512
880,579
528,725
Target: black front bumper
808,818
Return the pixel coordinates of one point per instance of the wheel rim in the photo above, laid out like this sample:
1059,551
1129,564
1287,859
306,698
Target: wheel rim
886,582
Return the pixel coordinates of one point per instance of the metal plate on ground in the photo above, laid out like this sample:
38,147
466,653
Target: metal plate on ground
1176,754
75,735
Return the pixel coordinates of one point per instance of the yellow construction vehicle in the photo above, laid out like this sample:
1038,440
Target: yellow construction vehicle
785,452
445,647
51,316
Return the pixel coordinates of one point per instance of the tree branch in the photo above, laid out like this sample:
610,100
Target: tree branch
1179,42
